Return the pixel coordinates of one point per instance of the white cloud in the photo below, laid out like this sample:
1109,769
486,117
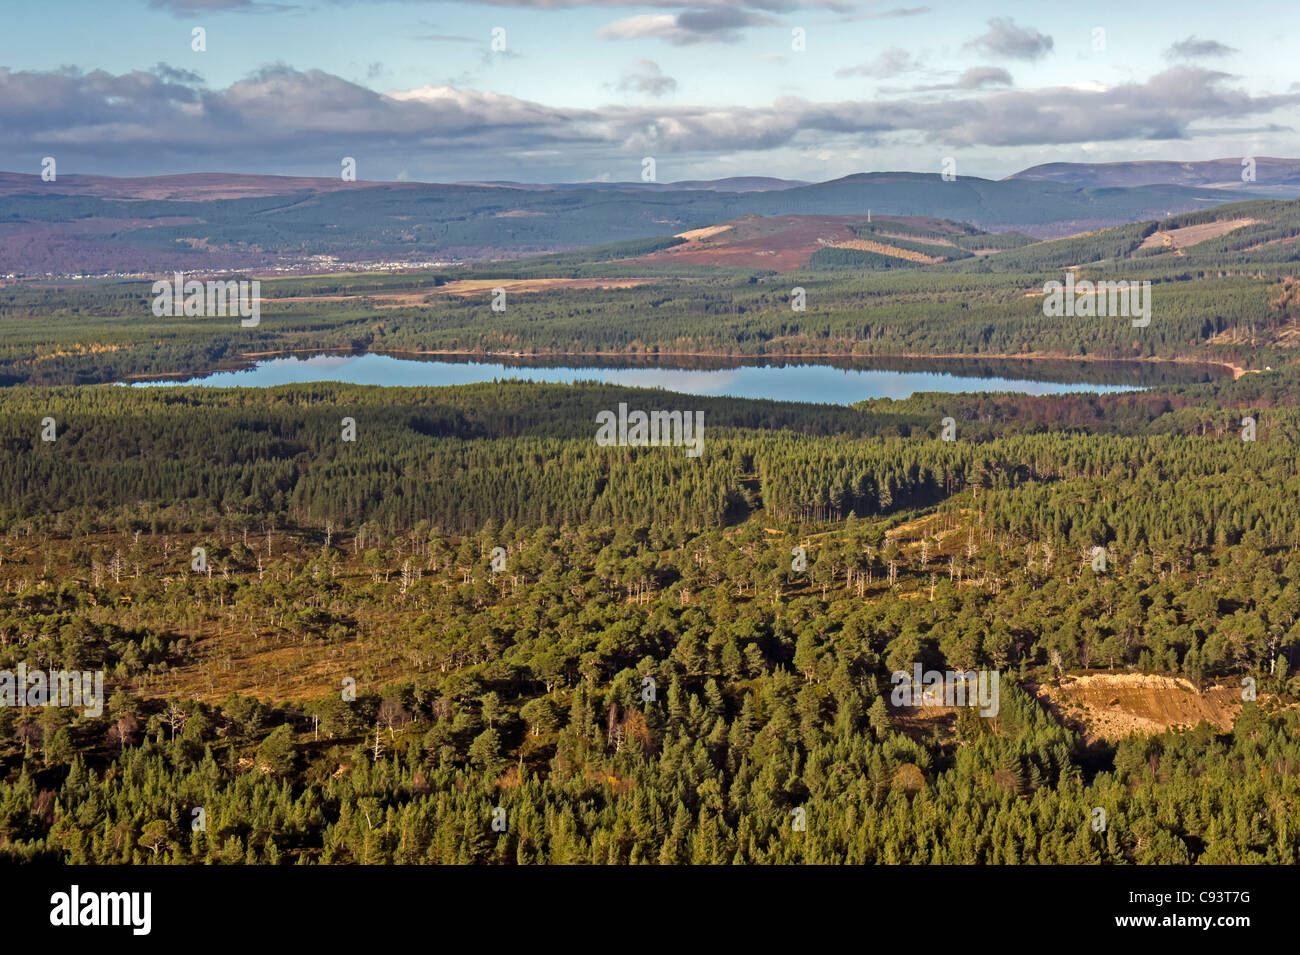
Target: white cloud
1006,39
149,122
891,62
692,26
647,77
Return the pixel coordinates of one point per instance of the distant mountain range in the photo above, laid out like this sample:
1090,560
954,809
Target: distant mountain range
1272,176
207,186
732,184
216,221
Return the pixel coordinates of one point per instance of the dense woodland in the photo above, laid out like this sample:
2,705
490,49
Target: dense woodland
609,651
520,687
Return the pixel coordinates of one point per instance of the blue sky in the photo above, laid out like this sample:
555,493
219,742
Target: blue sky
584,90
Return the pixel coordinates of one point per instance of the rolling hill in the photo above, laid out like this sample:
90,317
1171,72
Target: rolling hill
1280,177
1262,231
98,225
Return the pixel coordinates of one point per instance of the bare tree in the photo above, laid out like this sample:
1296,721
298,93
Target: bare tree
391,715
175,716
123,730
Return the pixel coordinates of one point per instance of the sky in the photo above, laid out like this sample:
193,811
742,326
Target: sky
581,90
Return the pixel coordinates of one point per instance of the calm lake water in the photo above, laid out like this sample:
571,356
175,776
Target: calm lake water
812,382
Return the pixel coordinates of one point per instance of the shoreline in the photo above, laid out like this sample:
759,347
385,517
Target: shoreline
812,358
739,360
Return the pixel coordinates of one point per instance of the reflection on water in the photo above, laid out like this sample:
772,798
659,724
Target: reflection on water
841,383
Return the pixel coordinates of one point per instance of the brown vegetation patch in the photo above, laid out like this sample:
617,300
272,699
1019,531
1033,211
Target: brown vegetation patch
1111,706
779,243
879,248
1190,235
707,232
